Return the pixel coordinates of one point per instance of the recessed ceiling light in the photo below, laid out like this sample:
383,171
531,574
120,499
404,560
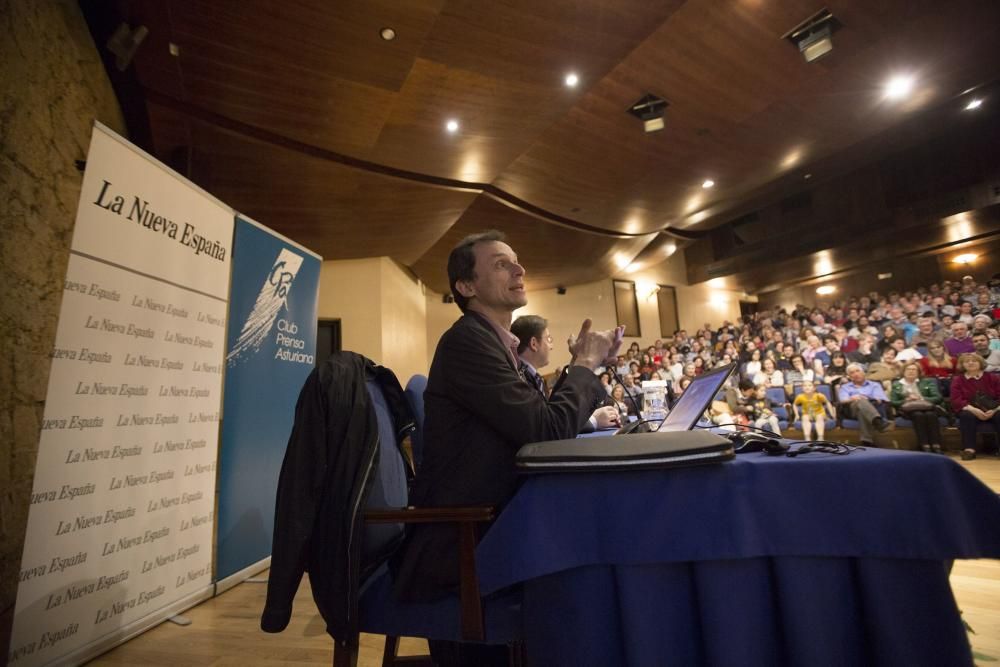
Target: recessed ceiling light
708,183
807,176
451,126
572,79
899,87
387,33
974,104
967,258
826,289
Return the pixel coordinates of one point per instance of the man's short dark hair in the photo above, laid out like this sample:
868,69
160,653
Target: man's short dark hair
746,384
462,261
527,327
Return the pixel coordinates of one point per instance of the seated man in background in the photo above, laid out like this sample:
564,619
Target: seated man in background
981,343
960,342
533,350
858,400
479,410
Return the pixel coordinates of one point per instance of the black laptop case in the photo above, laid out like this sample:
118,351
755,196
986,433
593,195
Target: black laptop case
637,451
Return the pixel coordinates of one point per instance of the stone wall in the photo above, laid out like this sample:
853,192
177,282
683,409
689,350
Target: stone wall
52,87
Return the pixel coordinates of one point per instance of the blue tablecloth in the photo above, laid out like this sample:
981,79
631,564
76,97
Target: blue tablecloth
818,559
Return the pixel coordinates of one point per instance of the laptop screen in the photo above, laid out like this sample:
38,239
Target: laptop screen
696,399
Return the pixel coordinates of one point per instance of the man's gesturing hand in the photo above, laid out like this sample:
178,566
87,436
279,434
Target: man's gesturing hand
593,348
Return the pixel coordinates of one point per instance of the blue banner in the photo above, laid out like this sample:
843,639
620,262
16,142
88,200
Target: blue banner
271,347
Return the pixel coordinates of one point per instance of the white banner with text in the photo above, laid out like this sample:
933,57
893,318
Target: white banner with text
122,509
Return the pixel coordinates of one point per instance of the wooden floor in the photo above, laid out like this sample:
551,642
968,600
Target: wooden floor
225,631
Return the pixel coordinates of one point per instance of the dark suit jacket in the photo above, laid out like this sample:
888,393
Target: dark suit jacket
479,412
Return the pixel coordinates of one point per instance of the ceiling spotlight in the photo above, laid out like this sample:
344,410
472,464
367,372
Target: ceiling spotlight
451,126
826,289
571,80
966,258
807,176
708,183
387,33
649,109
974,104
899,87
814,36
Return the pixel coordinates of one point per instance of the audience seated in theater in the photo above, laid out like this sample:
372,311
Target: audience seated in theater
886,369
975,397
937,362
926,332
917,399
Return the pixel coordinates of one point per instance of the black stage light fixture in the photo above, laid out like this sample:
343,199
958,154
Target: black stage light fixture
560,290
814,36
649,109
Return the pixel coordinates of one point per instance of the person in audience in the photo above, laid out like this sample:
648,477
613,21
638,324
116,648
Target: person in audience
763,412
981,345
863,327
797,375
975,398
938,363
811,407
886,369
753,365
769,375
682,384
619,403
981,323
926,332
889,334
859,399
699,365
960,341
631,388
836,372
905,353
917,399
965,314
866,353
812,348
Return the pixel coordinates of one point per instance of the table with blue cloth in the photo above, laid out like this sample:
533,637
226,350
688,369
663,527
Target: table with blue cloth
814,560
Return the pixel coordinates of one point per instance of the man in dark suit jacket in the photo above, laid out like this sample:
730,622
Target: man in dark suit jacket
479,410
533,349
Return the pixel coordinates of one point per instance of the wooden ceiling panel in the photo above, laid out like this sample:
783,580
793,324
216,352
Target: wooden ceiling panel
551,255
337,211
738,92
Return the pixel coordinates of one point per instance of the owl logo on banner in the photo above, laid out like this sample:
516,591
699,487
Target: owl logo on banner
272,298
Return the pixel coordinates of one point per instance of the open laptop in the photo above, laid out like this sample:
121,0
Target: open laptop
696,399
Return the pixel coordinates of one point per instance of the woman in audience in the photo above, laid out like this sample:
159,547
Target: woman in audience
606,381
836,372
938,364
916,399
975,397
889,334
769,375
617,401
753,365
797,375
699,365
